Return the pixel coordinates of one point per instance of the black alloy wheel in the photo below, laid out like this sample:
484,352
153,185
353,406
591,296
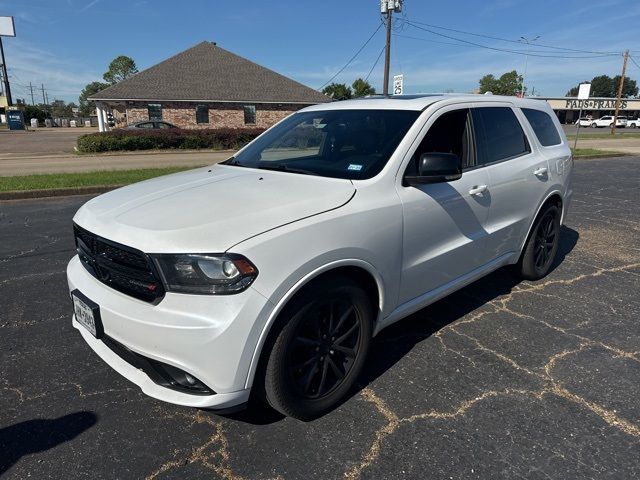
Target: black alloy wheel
545,241
542,244
324,348
318,348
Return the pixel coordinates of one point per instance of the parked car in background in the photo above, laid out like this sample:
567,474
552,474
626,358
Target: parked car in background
150,125
634,123
584,121
607,121
270,272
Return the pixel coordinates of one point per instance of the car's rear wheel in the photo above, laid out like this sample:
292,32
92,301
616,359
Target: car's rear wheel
542,244
633,125
320,348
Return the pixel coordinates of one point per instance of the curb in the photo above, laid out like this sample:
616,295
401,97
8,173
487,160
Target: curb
56,192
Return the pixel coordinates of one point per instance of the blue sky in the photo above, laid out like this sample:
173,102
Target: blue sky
67,43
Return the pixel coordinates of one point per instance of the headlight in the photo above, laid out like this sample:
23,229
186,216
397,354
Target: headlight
205,273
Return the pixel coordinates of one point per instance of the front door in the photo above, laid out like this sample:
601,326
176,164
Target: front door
444,223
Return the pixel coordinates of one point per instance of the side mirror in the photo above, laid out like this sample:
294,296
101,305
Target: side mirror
436,168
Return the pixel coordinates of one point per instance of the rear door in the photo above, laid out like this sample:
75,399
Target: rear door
444,223
518,175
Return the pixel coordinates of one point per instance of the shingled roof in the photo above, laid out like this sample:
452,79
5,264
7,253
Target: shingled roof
208,73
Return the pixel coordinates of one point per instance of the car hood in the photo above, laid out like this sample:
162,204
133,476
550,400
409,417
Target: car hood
208,210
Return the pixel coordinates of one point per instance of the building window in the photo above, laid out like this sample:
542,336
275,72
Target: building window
202,114
155,111
249,114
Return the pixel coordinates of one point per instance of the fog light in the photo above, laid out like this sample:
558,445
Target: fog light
190,380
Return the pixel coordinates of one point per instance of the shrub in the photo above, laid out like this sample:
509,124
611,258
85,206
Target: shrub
120,140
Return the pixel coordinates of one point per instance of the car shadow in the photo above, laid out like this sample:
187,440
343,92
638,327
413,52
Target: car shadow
397,340
34,436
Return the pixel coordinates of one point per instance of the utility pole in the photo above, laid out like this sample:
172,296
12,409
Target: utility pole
526,60
5,75
388,7
31,89
620,88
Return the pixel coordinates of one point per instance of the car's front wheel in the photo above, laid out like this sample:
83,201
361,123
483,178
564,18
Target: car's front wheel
594,125
542,244
319,349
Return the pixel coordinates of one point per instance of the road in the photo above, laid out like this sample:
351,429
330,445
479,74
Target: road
41,141
571,130
503,379
91,163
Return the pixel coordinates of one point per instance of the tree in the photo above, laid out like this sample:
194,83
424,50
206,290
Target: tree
120,68
602,86
35,111
509,83
629,89
59,109
338,91
605,86
86,106
362,88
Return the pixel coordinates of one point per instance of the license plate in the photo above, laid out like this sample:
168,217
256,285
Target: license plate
87,313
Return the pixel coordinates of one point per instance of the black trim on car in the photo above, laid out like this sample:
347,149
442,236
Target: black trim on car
160,373
118,266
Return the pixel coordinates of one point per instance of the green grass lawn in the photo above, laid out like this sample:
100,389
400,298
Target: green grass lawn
585,135
88,179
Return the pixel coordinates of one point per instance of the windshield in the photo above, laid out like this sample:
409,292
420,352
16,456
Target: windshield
352,144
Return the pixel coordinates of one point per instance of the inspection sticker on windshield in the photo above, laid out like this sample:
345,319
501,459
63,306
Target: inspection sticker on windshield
353,166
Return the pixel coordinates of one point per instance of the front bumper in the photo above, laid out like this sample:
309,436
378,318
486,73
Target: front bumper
212,337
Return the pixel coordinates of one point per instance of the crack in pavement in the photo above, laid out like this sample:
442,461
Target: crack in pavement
552,386
213,454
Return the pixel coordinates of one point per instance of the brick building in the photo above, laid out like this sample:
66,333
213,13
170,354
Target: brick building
204,87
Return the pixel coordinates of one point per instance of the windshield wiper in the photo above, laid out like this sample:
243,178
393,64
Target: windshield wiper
284,168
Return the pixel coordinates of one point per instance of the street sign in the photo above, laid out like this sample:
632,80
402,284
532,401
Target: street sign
7,28
398,84
584,90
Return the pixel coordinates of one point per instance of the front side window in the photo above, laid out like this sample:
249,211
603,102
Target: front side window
499,135
202,114
352,144
543,127
155,111
145,125
450,133
250,114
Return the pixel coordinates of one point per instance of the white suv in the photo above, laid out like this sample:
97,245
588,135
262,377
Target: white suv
272,271
633,123
607,121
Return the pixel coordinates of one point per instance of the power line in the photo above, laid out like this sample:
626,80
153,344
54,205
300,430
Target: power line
352,58
634,61
517,52
513,41
374,64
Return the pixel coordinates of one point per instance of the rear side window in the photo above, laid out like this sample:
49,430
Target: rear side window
543,127
499,135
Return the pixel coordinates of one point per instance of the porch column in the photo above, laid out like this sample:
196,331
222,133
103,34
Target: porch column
100,114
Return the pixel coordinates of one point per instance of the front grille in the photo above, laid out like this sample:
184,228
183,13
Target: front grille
120,267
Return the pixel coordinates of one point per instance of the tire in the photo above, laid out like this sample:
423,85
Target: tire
542,245
303,369
633,125
594,125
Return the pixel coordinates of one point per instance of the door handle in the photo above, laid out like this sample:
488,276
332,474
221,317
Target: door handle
478,190
540,172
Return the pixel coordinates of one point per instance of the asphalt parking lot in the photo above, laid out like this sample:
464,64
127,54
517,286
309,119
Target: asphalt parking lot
500,380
